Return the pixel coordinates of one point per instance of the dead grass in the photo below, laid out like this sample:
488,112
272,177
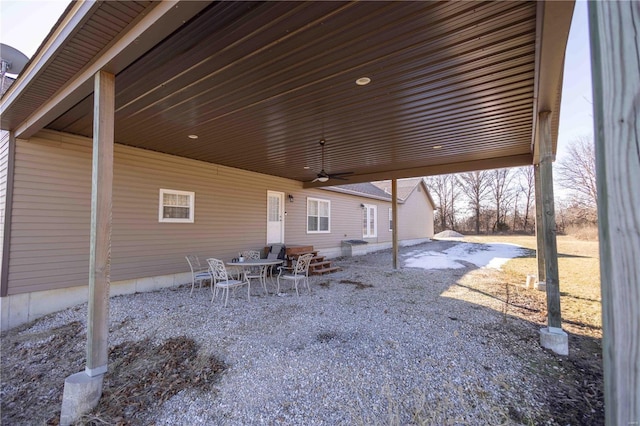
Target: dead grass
586,232
579,276
575,383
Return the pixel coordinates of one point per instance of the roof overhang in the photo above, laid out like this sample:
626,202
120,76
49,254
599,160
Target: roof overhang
456,86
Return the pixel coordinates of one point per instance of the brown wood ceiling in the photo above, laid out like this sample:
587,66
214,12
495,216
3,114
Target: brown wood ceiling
261,83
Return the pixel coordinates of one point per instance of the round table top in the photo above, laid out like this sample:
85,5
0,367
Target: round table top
256,262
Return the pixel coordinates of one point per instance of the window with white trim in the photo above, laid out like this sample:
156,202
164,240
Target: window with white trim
390,219
318,215
369,219
176,206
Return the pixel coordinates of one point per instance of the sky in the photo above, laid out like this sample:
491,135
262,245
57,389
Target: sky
25,23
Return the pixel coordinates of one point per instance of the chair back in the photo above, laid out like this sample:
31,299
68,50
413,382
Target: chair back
276,251
194,263
251,254
217,270
302,264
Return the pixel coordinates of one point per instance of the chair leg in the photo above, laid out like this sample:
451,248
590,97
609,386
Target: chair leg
296,284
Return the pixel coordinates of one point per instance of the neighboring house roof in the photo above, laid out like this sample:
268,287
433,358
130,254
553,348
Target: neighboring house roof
405,187
381,190
361,189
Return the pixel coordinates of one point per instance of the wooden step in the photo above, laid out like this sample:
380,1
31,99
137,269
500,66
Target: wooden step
324,270
319,265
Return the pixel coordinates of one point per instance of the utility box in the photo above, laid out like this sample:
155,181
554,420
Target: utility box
352,248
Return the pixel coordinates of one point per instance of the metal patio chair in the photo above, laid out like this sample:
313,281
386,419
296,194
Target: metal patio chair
199,272
221,280
299,272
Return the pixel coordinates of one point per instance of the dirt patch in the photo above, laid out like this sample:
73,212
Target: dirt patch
359,285
142,375
34,367
325,284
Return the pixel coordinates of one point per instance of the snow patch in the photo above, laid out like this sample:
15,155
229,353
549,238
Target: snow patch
488,255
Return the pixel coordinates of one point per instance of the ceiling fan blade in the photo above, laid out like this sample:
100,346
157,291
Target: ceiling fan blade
334,177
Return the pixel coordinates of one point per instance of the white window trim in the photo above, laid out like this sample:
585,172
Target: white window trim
390,219
374,208
319,200
192,202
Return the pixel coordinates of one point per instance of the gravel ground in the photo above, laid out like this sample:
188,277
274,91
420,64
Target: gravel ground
368,345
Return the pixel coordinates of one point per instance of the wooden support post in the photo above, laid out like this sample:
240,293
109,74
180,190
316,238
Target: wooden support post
541,282
394,220
549,223
100,251
615,64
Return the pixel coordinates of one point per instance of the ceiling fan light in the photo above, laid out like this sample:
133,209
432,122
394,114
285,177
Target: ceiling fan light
322,178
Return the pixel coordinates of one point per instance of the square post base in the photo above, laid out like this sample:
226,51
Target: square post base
555,339
81,393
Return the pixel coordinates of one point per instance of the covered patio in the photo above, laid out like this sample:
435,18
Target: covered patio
452,86
367,345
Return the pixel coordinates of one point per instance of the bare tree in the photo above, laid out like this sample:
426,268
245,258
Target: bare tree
445,190
577,171
501,194
527,188
475,185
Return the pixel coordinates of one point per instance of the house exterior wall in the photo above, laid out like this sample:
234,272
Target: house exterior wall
52,195
345,222
49,262
415,216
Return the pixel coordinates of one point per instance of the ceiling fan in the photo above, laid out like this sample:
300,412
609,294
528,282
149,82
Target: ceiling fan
324,176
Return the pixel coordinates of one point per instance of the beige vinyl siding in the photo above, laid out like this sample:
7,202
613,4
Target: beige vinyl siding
415,216
346,219
51,216
50,243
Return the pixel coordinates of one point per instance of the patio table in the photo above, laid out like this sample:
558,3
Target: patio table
264,265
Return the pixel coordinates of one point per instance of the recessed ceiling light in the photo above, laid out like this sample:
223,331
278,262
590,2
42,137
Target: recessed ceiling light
363,81
193,136
437,146
306,167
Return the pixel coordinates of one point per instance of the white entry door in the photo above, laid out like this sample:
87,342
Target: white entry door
275,217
